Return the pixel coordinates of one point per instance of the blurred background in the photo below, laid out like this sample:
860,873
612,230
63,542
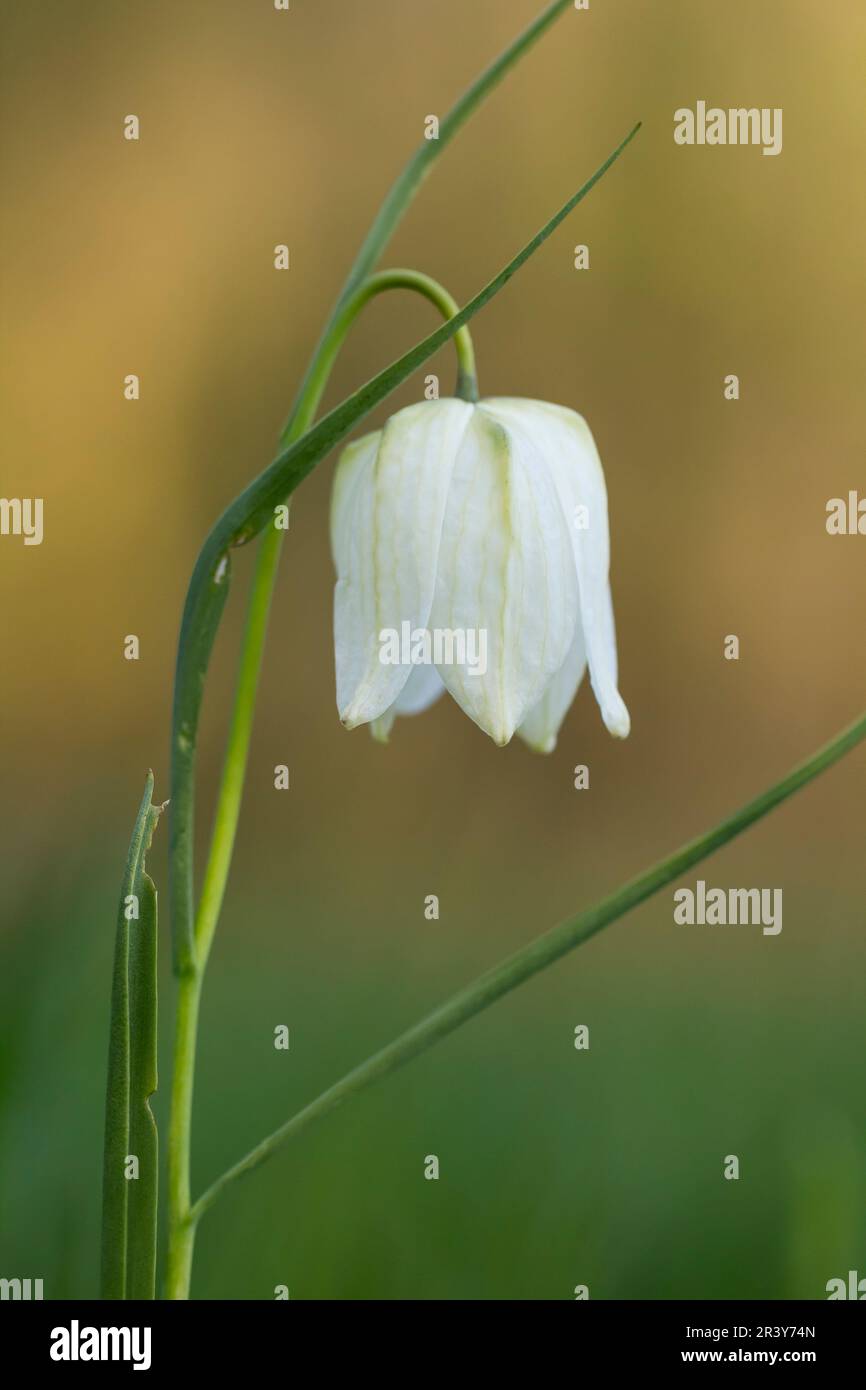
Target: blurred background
558,1167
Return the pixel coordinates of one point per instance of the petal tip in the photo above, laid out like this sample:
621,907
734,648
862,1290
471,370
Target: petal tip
617,721
542,746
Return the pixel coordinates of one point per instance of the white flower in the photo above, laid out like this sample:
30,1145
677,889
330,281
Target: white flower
461,528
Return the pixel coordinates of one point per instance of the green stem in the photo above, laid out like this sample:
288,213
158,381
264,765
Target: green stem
181,1229
535,957
264,578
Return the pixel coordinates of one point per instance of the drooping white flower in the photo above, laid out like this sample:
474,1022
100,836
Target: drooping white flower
472,553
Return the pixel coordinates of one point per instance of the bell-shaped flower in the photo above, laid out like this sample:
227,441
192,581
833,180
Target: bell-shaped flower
472,553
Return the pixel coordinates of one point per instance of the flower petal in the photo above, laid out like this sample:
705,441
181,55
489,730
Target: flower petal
355,460
506,576
422,689
386,523
352,482
381,728
542,724
569,449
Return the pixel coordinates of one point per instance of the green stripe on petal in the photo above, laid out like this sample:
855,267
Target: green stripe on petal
394,523
565,440
506,573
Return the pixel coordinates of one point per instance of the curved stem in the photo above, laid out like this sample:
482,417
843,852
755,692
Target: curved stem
535,957
264,578
380,283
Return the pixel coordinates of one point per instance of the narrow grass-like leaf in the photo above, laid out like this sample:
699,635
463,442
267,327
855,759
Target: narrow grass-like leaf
143,1141
408,182
537,956
129,1202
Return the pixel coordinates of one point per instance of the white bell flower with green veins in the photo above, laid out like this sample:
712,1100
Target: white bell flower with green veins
488,519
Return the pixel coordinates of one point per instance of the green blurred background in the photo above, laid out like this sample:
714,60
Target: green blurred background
557,1167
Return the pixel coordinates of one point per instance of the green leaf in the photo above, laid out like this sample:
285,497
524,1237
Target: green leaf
536,956
129,1203
406,185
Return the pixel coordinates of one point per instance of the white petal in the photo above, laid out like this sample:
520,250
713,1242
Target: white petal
421,690
381,728
542,724
506,576
387,522
355,460
569,448
352,480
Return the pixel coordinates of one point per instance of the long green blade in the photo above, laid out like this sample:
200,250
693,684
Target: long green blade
130,1172
537,956
408,182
